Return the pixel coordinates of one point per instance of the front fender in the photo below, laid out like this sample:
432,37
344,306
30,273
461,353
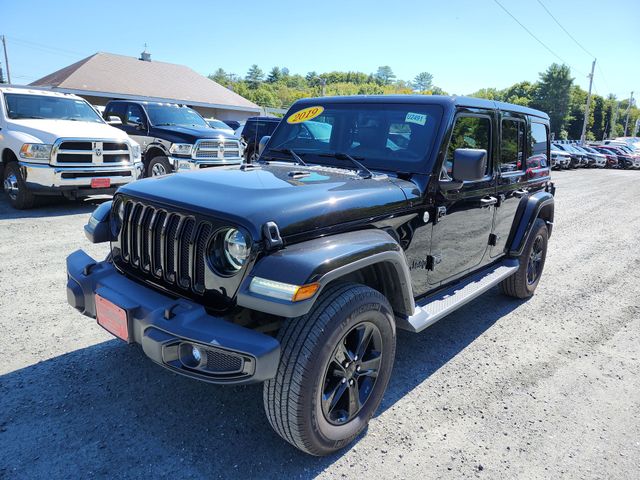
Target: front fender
324,260
539,204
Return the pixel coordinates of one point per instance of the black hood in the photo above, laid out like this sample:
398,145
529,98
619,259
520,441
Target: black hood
182,134
298,199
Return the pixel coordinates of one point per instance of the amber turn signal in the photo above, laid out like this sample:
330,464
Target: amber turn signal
305,291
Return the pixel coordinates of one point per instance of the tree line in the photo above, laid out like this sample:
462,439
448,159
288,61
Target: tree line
554,92
279,88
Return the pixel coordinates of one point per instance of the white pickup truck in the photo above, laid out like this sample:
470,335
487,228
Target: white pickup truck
56,144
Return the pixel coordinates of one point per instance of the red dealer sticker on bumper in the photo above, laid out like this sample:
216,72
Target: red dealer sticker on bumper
112,318
100,182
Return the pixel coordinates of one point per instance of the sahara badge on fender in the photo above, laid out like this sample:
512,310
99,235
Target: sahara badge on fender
305,114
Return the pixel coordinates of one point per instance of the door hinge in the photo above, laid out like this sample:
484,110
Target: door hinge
440,212
432,261
493,239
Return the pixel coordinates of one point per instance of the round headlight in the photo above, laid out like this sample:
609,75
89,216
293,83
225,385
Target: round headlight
229,251
236,248
117,218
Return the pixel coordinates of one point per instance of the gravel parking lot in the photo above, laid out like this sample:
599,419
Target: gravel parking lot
545,388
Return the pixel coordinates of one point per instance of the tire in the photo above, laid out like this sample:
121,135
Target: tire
293,400
159,166
19,196
523,283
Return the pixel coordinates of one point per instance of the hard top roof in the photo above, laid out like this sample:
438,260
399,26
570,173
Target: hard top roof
443,100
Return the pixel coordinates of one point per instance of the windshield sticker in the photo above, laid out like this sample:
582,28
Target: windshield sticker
305,114
417,118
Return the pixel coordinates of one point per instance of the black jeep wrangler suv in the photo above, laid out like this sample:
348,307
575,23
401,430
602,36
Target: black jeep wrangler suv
362,215
173,137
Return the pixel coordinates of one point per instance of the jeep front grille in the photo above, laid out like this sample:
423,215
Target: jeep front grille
94,152
168,246
214,149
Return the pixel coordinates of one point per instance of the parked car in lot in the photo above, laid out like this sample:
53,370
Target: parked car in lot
56,144
173,137
632,142
560,160
253,130
578,158
220,126
334,244
596,160
625,159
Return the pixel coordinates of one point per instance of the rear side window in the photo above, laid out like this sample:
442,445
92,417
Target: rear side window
511,145
135,114
115,110
538,141
468,132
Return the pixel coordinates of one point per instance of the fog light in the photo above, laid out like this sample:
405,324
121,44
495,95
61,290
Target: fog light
190,355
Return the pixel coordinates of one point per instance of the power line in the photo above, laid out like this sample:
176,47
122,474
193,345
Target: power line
46,48
565,30
531,33
604,78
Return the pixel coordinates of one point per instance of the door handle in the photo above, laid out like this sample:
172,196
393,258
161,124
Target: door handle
487,201
520,193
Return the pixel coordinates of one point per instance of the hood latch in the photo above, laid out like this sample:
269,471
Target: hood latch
271,234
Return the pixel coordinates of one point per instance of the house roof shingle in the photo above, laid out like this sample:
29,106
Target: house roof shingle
119,75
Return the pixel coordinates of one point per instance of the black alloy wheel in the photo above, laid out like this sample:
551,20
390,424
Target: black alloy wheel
351,373
534,266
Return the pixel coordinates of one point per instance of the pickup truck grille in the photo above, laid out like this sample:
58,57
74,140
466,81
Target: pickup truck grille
167,246
83,152
220,150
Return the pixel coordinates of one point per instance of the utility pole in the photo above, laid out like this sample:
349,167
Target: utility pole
586,111
6,58
626,123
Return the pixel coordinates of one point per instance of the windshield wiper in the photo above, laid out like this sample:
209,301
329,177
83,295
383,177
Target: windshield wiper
165,124
363,171
290,152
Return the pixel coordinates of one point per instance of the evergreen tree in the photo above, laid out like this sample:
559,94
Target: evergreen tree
384,75
219,76
254,76
553,95
274,75
423,81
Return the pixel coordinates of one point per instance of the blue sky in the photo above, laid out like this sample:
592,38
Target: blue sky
465,44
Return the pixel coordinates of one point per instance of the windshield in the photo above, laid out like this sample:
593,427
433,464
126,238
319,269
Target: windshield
23,106
385,136
169,115
218,124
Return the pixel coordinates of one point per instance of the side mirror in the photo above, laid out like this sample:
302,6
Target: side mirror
469,164
113,120
135,123
263,143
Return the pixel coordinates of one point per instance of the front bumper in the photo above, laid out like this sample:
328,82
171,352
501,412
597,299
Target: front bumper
163,325
186,164
44,177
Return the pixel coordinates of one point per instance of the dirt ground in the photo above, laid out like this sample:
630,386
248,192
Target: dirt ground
546,388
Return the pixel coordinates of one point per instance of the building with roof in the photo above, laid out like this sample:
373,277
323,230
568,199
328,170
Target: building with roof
107,76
